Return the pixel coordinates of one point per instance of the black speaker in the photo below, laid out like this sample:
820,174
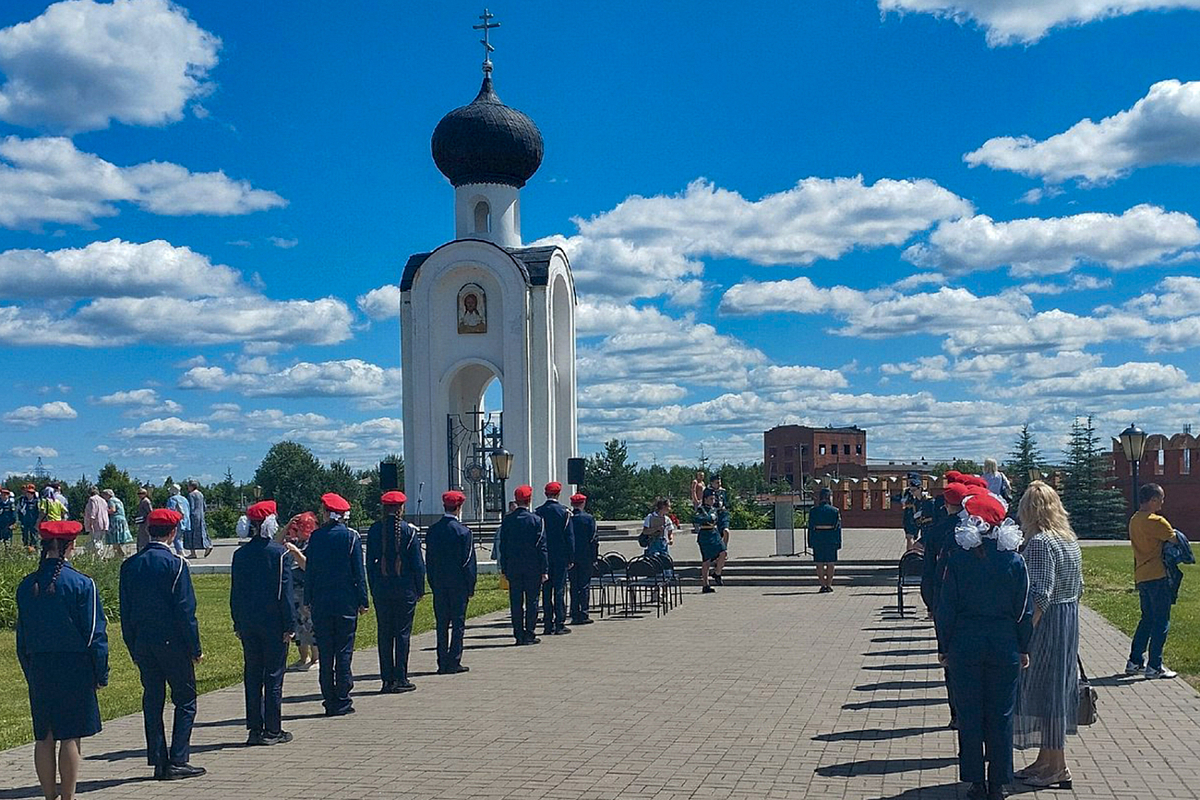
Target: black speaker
389,476
575,470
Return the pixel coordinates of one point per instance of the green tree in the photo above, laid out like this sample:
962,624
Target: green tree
123,487
964,465
291,476
372,508
612,487
1096,512
1024,457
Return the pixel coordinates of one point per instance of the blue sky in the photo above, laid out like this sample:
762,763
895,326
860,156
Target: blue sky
937,219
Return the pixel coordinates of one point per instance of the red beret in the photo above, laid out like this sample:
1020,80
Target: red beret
578,499
393,498
974,480
335,502
955,493
553,487
64,529
453,498
163,518
29,487
953,476
523,494
986,507
260,510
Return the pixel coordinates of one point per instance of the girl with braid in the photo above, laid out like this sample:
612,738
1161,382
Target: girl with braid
62,646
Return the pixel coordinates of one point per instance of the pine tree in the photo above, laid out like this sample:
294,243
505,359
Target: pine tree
1096,512
612,485
1025,456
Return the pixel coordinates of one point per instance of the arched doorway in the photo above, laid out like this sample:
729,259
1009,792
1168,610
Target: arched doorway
474,430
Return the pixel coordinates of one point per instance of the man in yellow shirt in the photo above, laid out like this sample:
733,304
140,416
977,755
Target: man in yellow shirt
1147,533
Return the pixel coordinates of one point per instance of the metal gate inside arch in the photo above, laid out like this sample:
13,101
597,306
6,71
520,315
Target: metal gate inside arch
471,439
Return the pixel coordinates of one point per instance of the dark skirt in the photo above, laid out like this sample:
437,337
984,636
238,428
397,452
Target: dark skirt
711,545
824,553
62,696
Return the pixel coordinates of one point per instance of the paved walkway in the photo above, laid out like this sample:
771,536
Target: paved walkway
749,693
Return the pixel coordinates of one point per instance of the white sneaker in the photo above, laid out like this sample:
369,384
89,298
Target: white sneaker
1161,672
1133,669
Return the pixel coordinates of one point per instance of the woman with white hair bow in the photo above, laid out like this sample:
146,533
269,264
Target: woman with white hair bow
984,623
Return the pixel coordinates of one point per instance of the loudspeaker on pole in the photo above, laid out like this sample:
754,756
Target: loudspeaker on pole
389,476
575,470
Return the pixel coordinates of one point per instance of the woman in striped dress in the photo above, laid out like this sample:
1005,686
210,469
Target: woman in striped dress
1048,700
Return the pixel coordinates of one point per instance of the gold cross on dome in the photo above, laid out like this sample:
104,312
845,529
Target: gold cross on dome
486,27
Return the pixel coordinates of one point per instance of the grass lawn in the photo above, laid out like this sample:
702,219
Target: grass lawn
1108,575
222,664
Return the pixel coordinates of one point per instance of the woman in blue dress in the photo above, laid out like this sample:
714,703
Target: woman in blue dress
712,548
118,524
62,646
984,623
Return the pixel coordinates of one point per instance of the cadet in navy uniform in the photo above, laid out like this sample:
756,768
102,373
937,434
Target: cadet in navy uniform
158,623
335,588
524,563
825,536
396,572
587,548
984,623
62,646
450,562
560,551
260,601
938,540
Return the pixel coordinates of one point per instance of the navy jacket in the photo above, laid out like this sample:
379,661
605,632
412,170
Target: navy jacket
260,591
450,556
938,539
396,569
524,550
984,604
68,620
335,582
587,542
158,603
560,544
825,526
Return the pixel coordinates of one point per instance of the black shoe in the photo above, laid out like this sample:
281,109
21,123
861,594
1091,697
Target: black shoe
400,687
548,632
255,738
283,737
978,791
996,793
561,630
522,642
460,668
387,687
708,590
584,621
339,712
717,580
533,640
178,772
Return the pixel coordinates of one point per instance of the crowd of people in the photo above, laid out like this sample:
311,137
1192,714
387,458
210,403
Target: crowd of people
710,523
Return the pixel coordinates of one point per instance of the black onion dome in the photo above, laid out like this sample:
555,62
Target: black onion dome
487,142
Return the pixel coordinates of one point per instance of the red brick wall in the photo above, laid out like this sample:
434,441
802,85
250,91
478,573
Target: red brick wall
1182,506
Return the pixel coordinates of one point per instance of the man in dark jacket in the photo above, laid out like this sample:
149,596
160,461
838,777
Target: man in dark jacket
260,601
158,624
587,548
396,571
523,562
560,550
335,588
450,562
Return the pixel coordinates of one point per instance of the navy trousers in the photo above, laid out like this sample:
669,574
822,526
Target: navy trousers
160,666
450,614
394,616
984,678
523,604
335,641
554,600
265,656
1152,629
581,579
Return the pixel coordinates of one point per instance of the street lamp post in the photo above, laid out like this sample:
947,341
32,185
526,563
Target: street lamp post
1133,442
502,465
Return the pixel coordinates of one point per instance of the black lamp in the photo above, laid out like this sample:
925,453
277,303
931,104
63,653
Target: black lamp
502,462
1133,442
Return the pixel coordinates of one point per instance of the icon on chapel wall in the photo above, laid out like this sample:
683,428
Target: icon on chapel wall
472,309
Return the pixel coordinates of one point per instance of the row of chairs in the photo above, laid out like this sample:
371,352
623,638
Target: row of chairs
635,584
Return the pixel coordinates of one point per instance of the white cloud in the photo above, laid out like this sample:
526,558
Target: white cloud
35,415
1175,298
347,378
1161,128
648,246
33,452
1127,379
1077,283
1026,21
627,394
166,428
140,402
281,243
115,268
381,303
49,180
772,378
82,64
1142,235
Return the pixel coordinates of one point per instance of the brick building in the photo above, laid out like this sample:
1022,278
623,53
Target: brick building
794,453
1173,464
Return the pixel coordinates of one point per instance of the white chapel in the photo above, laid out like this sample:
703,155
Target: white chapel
484,308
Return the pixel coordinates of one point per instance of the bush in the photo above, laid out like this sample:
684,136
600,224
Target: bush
15,564
222,522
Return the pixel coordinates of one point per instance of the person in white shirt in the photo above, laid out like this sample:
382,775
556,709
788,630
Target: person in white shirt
95,519
997,481
658,529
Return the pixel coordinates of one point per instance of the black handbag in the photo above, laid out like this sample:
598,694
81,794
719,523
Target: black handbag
1087,698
